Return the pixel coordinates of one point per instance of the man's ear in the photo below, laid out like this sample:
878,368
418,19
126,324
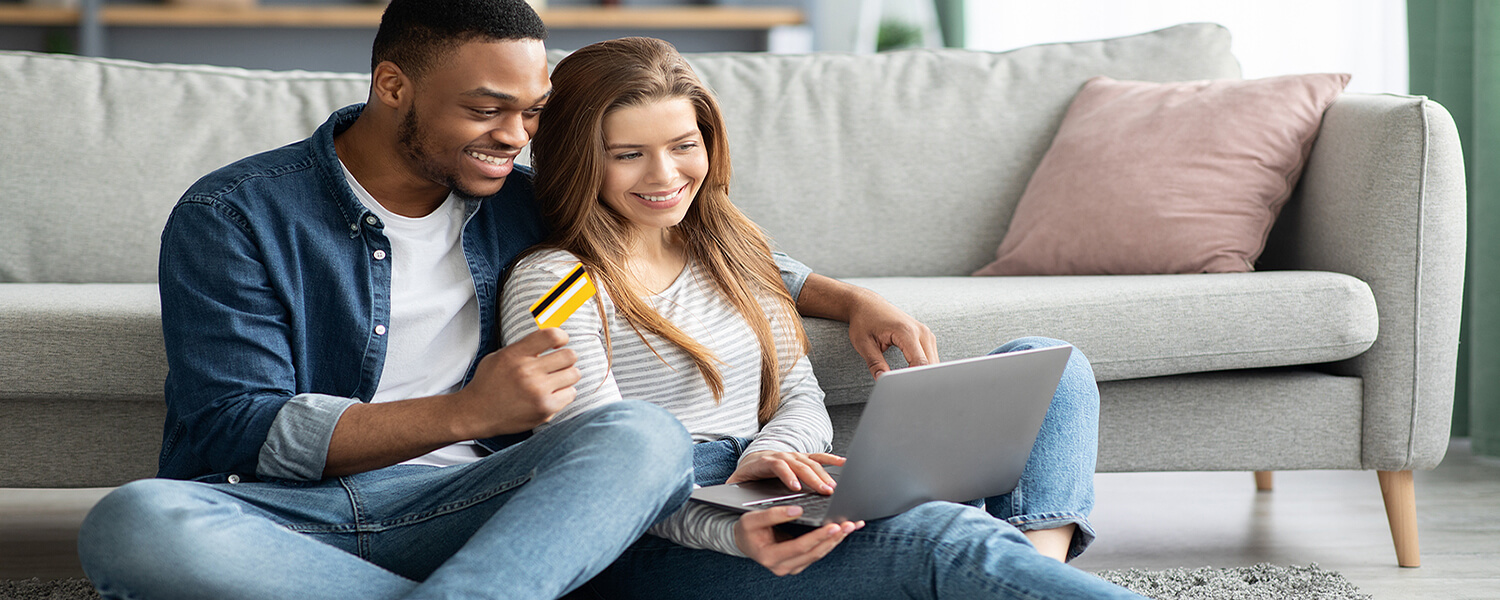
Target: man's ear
389,85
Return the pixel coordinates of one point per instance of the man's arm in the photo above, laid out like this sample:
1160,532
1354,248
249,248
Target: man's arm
874,324
233,389
514,389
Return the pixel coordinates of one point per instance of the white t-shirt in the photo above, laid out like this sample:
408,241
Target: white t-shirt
433,335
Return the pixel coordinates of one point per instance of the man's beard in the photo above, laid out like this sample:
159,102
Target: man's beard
413,143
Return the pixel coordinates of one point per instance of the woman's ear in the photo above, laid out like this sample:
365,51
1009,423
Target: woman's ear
389,85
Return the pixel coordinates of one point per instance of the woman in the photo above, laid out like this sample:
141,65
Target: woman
691,314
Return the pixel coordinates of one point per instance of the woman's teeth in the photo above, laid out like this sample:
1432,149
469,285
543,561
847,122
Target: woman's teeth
664,198
499,162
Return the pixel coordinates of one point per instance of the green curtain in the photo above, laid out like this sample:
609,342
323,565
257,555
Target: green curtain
951,19
1454,48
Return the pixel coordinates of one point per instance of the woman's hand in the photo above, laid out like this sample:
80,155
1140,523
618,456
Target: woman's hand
792,468
782,554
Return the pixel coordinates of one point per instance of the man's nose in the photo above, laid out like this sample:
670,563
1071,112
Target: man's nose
511,131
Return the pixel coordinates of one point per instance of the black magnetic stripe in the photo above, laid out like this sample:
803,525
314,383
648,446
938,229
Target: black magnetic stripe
558,291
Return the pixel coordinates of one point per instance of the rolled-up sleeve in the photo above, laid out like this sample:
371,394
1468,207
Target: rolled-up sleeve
793,273
296,447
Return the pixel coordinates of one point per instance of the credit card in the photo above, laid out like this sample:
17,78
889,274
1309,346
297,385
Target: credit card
555,306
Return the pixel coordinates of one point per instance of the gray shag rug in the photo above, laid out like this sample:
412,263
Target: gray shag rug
1260,582
1264,581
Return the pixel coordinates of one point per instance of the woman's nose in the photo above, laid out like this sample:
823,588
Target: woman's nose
663,170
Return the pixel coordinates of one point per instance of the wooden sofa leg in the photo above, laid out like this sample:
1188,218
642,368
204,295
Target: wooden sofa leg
1263,480
1401,510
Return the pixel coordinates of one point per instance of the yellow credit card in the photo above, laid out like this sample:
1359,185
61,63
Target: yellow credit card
566,296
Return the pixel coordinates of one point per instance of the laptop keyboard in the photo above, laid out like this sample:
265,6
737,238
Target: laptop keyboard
814,506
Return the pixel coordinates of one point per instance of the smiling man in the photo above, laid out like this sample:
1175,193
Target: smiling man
341,421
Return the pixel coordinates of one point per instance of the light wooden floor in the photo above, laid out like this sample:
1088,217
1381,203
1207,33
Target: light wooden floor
1333,518
1145,520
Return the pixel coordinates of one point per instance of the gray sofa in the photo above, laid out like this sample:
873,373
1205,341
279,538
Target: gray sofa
897,172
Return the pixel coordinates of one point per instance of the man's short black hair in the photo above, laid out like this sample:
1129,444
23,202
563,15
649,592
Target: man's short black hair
415,34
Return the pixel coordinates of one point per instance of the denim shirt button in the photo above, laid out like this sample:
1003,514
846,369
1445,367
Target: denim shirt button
380,255
371,220
380,330
234,478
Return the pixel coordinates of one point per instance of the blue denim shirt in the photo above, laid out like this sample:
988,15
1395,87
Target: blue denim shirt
275,292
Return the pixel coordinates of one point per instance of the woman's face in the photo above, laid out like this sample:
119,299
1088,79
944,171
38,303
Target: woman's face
654,162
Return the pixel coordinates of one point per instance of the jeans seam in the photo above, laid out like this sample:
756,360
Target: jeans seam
356,506
451,507
359,526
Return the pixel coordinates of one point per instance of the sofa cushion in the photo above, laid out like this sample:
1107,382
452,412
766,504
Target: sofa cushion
1180,177
1130,326
81,341
107,146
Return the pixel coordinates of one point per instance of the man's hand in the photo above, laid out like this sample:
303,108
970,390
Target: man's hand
874,324
521,385
782,554
792,468
514,389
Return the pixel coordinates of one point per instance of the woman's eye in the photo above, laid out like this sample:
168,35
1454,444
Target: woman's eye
628,156
687,146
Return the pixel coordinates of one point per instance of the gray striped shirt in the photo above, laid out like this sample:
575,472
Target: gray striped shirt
668,378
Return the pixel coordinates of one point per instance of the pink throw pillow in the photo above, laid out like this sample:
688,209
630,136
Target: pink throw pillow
1183,177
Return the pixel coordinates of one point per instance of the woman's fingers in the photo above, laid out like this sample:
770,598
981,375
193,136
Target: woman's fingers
791,556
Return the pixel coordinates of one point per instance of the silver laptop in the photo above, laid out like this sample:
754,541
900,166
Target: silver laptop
957,431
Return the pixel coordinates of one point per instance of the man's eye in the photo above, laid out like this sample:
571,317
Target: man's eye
486,112
534,111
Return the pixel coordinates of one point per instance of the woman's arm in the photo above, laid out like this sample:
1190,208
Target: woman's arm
801,422
532,278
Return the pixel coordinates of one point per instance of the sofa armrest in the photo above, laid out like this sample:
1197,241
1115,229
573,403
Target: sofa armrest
1382,199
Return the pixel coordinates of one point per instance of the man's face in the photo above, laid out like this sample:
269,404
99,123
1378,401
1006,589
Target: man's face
472,112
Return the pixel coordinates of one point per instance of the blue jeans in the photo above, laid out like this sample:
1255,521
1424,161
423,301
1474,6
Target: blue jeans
532,521
936,550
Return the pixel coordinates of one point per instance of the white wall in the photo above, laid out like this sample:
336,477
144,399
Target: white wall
1366,38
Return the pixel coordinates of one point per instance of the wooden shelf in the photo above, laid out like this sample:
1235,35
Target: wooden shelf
682,17
12,14
362,16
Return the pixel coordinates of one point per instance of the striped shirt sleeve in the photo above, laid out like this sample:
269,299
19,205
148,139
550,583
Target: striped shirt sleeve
529,280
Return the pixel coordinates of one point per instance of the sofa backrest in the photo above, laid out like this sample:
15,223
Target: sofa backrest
95,152
905,163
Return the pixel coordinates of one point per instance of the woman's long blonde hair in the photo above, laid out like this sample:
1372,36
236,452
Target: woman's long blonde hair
568,153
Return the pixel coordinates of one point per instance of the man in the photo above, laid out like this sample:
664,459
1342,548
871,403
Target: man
340,421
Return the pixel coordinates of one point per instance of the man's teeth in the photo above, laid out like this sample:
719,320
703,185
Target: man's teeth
499,162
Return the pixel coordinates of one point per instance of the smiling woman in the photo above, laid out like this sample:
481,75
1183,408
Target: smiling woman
690,315
651,175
